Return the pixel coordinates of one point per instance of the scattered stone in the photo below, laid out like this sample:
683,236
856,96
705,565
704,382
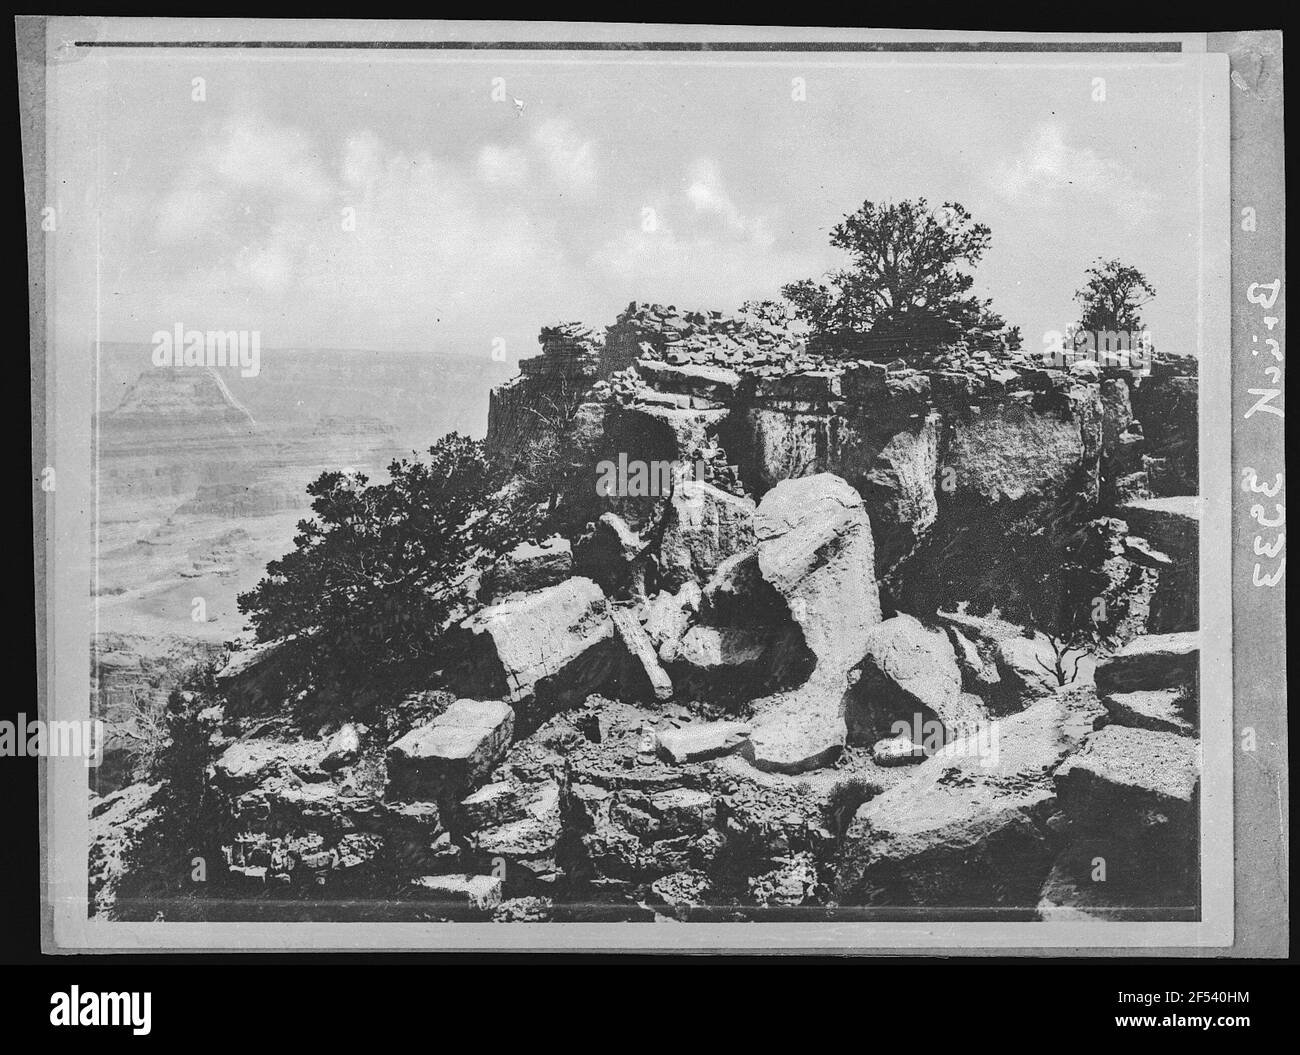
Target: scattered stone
612,555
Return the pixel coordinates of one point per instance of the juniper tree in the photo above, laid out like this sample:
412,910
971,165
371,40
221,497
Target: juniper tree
907,285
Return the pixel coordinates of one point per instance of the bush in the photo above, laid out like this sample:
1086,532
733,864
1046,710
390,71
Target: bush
375,577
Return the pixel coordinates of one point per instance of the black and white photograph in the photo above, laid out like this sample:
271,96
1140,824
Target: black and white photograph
699,494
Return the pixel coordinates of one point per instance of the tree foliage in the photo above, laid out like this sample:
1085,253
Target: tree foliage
907,284
552,457
1112,298
374,577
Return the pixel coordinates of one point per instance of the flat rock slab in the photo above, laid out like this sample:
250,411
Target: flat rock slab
710,382
1161,710
1173,523
1156,661
701,741
1123,772
453,751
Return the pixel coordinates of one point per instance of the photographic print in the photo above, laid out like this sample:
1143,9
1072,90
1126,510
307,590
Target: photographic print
587,483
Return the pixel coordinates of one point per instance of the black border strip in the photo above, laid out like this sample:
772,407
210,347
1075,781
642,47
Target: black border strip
652,45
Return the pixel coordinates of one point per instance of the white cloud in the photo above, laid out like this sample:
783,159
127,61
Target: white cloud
570,158
430,255
1048,169
707,193
503,166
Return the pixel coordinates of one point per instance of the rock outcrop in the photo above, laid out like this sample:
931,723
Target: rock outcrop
831,668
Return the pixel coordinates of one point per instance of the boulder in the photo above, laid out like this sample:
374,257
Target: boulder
680,892
343,748
703,527
1156,661
968,827
1023,663
246,763
815,548
701,741
556,643
1171,527
452,752
910,672
529,566
899,489
979,673
801,729
1090,881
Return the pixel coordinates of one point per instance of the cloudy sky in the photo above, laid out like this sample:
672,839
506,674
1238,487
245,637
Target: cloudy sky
657,177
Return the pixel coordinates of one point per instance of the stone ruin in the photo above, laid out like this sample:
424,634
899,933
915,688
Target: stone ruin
829,680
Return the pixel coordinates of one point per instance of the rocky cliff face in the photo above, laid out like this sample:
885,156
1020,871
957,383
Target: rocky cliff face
826,675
